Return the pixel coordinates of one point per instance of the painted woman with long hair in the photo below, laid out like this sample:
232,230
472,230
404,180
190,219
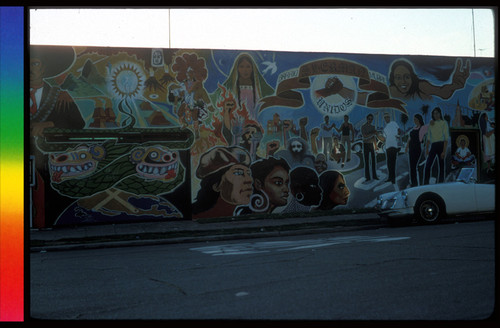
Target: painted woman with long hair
335,191
404,83
247,84
271,186
436,145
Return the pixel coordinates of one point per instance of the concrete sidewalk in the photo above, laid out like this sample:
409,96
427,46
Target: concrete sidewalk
149,233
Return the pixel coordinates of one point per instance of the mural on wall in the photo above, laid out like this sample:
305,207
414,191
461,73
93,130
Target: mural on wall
101,140
132,134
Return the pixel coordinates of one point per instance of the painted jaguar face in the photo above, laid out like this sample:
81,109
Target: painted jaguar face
155,162
75,163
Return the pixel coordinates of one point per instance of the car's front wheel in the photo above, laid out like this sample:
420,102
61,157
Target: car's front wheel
429,209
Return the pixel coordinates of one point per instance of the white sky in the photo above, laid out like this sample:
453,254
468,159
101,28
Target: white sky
412,31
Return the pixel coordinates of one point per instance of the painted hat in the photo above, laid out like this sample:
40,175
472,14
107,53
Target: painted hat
56,59
219,158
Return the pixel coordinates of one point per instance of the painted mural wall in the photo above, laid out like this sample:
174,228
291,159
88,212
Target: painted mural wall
131,134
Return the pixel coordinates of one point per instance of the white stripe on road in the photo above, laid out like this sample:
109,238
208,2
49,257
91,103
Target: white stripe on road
266,247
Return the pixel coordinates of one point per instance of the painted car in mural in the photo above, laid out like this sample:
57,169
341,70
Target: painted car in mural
431,203
134,134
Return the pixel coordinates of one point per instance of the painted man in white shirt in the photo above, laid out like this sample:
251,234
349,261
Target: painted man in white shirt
392,133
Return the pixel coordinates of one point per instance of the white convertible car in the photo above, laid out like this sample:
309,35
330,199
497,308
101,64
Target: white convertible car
430,203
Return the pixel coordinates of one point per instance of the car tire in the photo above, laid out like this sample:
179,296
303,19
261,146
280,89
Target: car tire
429,209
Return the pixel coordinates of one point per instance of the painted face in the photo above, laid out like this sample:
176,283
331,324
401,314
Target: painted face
157,58
155,162
402,79
229,105
249,133
36,71
236,185
296,146
340,193
320,164
75,163
276,186
436,116
245,69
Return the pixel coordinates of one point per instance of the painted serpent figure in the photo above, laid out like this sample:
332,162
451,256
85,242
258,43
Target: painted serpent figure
83,170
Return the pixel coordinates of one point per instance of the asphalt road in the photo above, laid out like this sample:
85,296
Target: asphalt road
442,272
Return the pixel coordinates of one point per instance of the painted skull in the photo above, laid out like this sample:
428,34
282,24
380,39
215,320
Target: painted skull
296,146
155,162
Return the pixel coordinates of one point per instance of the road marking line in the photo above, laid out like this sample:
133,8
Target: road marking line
239,294
280,246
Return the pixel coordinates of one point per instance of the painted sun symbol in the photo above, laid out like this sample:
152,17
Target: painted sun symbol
127,81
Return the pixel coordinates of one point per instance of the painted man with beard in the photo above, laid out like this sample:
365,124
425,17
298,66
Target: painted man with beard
297,153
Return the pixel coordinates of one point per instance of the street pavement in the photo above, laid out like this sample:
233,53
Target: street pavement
160,232
421,272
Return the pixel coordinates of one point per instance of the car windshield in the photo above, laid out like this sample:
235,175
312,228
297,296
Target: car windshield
465,174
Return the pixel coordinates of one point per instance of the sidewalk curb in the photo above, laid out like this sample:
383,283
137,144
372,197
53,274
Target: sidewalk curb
207,238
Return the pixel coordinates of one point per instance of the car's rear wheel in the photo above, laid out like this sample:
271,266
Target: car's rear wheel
429,209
